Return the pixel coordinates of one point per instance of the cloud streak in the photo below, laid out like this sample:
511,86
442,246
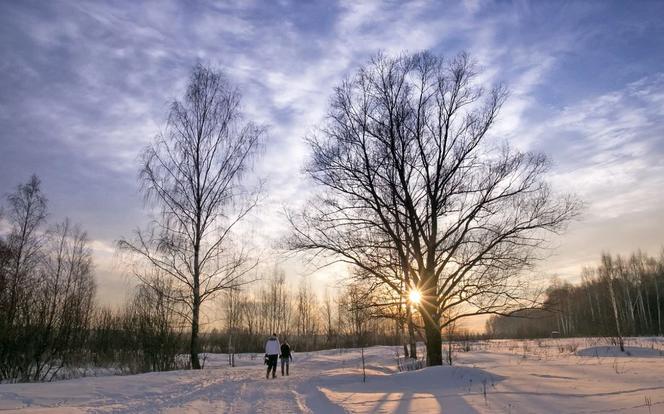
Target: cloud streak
85,86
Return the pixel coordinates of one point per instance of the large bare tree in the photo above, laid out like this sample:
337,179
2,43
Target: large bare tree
193,172
407,169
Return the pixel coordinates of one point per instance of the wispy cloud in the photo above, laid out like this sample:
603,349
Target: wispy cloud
612,148
84,86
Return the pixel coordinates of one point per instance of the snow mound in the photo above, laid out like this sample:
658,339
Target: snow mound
615,352
431,379
450,377
426,390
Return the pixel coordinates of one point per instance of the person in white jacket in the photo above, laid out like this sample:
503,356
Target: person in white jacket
272,349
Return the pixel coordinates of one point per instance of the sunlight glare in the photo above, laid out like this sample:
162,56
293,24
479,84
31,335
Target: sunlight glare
415,296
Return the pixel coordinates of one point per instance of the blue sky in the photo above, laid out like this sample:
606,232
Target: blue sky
84,86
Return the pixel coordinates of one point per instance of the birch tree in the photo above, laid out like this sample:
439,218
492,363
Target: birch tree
193,173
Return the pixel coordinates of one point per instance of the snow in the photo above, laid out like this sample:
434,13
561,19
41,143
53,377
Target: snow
615,352
503,376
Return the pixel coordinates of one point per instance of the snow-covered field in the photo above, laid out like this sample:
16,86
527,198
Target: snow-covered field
542,376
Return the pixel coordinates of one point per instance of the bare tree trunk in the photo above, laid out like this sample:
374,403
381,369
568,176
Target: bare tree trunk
648,295
196,291
642,310
411,333
659,307
429,309
599,306
196,309
434,339
592,308
402,336
615,313
629,305
364,371
449,349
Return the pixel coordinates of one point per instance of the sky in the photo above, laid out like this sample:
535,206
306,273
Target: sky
85,86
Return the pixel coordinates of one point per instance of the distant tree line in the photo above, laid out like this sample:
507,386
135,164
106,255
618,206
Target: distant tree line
46,289
52,327
50,324
622,296
298,314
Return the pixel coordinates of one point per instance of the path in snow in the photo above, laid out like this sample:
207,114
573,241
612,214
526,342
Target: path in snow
217,388
551,376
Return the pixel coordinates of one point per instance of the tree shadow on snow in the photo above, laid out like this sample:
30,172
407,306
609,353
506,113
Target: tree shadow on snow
433,389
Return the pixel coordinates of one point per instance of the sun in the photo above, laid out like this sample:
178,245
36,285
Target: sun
415,296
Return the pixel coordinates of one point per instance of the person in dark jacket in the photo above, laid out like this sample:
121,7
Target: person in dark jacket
286,357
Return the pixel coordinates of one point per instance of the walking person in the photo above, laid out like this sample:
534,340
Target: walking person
286,357
272,349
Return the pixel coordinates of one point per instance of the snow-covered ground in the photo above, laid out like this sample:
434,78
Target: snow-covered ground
542,376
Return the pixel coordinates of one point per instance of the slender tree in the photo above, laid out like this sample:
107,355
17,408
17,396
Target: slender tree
26,214
658,302
66,295
193,173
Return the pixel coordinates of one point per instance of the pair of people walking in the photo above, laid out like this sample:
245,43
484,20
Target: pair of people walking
274,351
